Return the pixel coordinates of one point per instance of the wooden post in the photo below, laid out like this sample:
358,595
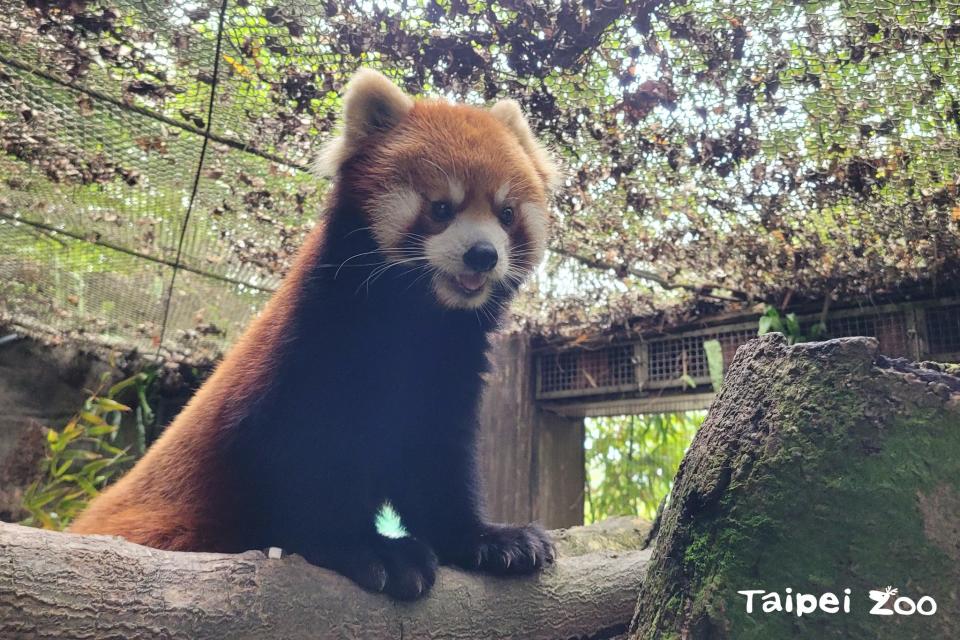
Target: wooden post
561,470
531,460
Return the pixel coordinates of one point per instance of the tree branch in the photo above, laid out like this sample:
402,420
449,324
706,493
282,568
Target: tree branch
57,585
704,290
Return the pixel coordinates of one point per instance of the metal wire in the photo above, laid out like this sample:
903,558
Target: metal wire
196,176
246,147
137,254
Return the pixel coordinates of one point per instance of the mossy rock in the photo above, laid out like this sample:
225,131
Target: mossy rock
821,467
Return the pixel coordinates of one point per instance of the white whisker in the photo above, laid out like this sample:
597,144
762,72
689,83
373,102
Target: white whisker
366,253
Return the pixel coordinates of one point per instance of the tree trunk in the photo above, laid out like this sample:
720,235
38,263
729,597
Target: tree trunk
821,467
57,585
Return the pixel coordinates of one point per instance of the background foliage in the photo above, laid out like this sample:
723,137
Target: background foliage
81,458
718,153
632,461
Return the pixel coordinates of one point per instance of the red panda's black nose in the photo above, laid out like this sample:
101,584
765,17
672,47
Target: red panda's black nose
481,257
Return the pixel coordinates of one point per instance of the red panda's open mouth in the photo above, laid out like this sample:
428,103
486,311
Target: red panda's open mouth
471,283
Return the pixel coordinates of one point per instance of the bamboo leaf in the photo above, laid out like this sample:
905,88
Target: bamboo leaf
714,352
108,404
92,418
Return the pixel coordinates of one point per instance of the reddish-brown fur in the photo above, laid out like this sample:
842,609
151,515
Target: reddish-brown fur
461,139
174,497
280,436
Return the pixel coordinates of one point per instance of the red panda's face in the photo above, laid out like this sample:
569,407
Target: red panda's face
457,193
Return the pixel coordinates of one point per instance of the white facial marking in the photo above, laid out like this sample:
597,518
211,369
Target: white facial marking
457,192
501,195
445,252
392,213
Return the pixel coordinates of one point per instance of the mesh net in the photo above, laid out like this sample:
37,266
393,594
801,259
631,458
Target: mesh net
724,151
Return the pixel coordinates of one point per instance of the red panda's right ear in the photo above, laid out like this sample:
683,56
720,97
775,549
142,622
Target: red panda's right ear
371,104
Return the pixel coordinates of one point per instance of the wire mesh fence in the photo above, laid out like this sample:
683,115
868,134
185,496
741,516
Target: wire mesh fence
754,148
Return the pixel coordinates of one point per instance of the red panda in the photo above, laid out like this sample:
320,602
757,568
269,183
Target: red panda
360,380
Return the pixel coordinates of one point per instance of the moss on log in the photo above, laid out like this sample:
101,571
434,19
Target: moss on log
820,467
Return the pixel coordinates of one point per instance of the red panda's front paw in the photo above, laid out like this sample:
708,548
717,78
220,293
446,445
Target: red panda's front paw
508,550
403,568
411,567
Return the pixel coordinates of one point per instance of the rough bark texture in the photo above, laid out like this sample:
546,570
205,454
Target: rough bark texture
57,585
820,467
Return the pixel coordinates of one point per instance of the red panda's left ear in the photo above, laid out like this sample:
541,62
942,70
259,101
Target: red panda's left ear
509,113
371,104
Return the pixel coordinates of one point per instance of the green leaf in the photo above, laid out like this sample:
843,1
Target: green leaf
112,450
92,418
64,490
631,461
92,468
43,499
45,520
100,430
714,352
110,405
59,471
88,487
817,331
793,325
123,384
765,323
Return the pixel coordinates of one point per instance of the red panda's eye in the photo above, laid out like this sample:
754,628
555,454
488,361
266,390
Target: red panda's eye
441,210
506,216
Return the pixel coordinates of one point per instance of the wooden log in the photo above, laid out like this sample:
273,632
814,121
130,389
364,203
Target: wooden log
58,585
